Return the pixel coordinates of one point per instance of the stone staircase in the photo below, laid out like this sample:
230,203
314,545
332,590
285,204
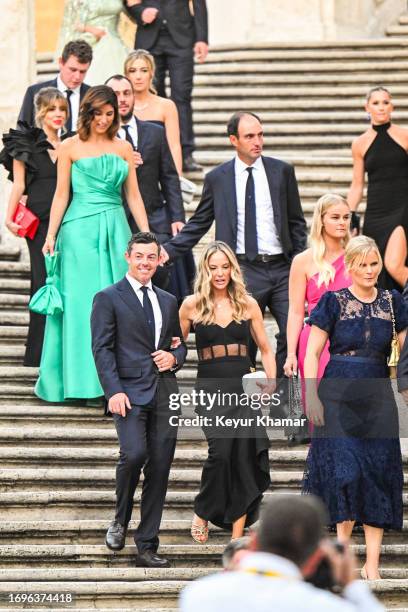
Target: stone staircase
57,474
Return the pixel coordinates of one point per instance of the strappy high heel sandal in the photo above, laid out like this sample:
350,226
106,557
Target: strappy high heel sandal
199,531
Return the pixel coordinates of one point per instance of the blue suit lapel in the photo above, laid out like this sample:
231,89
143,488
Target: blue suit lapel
230,195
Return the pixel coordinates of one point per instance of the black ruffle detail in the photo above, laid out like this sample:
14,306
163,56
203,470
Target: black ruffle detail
21,144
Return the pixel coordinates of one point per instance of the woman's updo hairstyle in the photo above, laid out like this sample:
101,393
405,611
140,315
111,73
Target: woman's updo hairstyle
44,100
95,98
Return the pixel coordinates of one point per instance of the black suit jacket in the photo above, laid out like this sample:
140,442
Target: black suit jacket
122,344
158,180
27,108
219,203
402,368
184,28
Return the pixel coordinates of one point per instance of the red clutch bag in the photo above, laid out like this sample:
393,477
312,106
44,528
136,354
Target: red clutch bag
28,220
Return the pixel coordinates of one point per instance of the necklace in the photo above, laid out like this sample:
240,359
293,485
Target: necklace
140,108
220,302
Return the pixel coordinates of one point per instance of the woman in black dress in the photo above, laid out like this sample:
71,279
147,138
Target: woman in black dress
236,471
381,151
30,156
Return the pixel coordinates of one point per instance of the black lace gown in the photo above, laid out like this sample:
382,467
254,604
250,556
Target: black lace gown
236,471
386,163
30,145
354,462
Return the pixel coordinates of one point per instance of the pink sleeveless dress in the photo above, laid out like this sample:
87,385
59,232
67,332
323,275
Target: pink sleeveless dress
313,295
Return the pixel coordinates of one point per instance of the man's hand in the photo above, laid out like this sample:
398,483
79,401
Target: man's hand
201,51
164,256
343,564
405,396
164,360
118,403
149,15
176,227
137,159
175,342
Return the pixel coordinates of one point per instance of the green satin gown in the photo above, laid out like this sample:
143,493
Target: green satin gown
91,244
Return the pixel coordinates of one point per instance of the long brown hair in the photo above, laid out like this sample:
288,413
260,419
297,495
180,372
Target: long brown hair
94,98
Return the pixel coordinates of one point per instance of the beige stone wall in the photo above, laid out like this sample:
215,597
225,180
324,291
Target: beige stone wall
262,21
17,71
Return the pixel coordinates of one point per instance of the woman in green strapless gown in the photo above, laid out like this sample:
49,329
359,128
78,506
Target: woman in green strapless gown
92,239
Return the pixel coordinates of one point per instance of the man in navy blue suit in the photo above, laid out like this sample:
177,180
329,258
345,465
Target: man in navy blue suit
133,323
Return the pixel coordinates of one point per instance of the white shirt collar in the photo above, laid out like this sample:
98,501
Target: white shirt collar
131,123
136,284
62,87
264,562
241,166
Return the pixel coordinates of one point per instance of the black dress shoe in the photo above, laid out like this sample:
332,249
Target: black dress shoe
148,558
190,165
115,536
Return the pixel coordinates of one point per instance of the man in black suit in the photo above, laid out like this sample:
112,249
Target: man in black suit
133,323
168,30
157,176
255,203
74,62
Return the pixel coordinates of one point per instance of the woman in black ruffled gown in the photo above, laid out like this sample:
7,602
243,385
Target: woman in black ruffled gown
236,471
30,156
382,152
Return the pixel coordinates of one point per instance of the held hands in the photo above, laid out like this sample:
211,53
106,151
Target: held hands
176,227
149,14
118,404
175,342
49,245
291,365
137,159
164,360
201,51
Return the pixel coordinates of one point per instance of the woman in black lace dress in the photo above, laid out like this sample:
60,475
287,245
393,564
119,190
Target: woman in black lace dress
30,156
354,462
381,151
236,471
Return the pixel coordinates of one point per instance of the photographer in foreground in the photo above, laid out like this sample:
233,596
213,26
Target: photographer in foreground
288,547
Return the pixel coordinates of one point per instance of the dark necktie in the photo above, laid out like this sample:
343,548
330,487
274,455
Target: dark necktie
149,314
128,136
69,122
251,242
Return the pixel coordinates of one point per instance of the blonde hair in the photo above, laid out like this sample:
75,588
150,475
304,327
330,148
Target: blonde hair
147,58
45,99
203,290
326,270
357,250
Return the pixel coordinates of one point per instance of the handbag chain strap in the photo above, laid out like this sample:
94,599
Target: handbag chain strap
394,331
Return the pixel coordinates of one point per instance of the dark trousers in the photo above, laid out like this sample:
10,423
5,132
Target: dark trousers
145,443
179,62
36,327
268,284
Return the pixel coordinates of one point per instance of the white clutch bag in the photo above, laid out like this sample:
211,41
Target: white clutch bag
249,382
188,190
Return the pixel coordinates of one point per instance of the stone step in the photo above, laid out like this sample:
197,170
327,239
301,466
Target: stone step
13,300
186,555
283,67
268,76
14,268
92,504
171,532
397,30
8,285
9,253
302,129
344,92
276,117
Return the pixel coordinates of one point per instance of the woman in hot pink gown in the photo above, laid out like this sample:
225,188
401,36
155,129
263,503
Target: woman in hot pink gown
316,270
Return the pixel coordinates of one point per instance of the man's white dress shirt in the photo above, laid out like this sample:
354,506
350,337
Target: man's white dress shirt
268,239
247,589
158,319
74,100
132,131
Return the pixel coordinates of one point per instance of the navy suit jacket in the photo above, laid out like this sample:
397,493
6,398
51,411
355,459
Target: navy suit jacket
184,28
158,180
219,203
122,343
